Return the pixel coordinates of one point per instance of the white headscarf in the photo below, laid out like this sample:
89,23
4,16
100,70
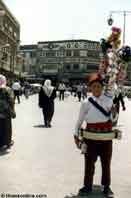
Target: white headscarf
48,89
2,81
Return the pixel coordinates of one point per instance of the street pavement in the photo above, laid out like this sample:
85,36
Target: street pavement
46,161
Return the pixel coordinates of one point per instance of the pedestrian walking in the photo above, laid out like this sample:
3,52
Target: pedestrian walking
79,92
97,136
47,95
7,112
84,91
26,89
119,100
17,89
61,89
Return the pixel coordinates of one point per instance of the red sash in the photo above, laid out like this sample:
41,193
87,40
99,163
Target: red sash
102,126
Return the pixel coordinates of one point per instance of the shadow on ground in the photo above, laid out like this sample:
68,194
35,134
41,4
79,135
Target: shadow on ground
96,193
39,126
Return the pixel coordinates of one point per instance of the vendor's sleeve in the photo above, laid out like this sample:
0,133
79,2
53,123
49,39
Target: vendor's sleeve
81,117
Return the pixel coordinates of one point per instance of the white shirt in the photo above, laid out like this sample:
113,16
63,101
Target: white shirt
61,87
79,88
90,114
16,86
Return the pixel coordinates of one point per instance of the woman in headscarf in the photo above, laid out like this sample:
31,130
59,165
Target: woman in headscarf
47,95
6,113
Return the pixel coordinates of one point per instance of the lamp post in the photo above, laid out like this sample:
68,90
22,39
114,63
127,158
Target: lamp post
124,13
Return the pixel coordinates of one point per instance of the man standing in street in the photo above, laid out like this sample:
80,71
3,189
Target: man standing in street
16,88
61,89
97,136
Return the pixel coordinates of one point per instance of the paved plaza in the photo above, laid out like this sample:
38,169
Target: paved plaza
46,161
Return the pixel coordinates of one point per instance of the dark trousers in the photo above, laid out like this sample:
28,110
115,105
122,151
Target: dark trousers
103,149
5,132
79,96
17,95
48,114
61,96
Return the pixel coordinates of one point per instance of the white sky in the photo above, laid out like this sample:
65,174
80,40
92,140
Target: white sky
43,20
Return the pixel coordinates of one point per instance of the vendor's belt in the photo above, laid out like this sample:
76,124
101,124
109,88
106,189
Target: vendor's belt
101,126
99,131
99,136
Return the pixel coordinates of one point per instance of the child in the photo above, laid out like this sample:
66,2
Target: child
97,136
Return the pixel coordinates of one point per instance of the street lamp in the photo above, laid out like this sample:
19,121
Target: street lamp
124,13
110,20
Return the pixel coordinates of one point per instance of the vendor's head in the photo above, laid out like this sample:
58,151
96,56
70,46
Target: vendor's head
96,84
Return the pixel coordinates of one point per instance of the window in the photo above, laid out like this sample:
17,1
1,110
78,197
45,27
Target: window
68,53
91,66
76,53
83,53
10,29
50,54
76,66
61,53
57,53
68,66
92,54
4,56
15,35
32,54
6,25
42,53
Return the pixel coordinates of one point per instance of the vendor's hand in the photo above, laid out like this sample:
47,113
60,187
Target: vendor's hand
77,141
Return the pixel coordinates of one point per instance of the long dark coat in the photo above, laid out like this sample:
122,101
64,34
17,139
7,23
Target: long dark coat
45,102
5,119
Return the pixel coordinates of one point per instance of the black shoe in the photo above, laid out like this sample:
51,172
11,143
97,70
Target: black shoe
108,192
45,126
3,148
49,125
84,191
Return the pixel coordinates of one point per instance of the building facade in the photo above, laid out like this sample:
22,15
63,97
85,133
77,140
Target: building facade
29,54
66,60
9,41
